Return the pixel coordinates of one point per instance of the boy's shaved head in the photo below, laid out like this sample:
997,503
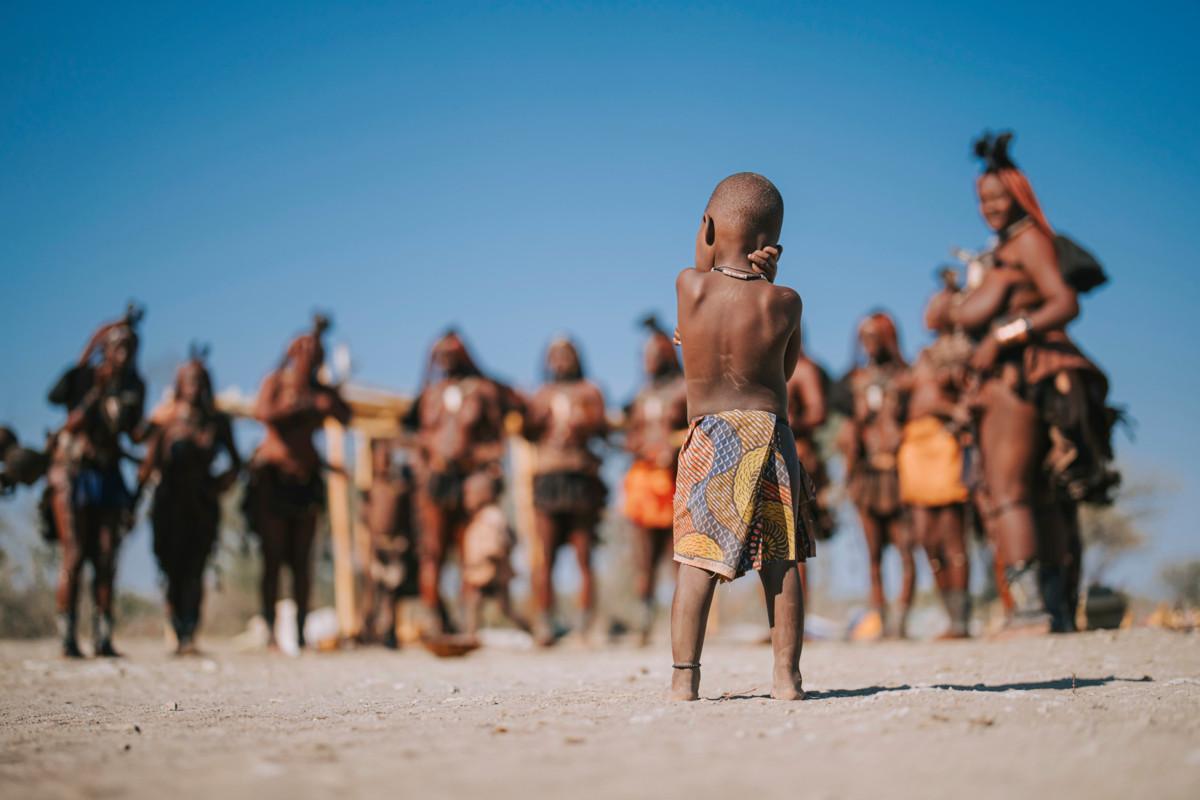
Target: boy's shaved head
749,203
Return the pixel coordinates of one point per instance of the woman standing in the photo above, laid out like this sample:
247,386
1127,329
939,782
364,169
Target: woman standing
870,441
187,436
1032,380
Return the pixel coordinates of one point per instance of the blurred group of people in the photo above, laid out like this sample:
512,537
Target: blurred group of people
435,489
1001,415
1000,419
87,504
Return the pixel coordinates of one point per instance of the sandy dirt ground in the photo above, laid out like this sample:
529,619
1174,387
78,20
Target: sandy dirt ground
1092,715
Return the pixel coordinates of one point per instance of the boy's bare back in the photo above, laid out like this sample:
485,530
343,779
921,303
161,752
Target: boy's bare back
740,341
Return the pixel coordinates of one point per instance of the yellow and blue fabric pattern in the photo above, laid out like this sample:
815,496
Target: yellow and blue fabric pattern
741,496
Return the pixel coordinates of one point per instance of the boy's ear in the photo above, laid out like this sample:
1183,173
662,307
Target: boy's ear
710,230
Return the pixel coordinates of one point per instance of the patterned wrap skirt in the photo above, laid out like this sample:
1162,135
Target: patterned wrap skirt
741,497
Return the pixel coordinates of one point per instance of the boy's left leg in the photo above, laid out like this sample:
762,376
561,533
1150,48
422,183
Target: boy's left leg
785,614
689,619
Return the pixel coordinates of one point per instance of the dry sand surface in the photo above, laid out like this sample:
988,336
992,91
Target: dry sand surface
1092,715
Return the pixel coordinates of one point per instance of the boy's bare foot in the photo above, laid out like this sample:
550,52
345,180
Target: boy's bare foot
685,682
788,685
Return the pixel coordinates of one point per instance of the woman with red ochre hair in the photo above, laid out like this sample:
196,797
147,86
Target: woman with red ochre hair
870,441
1027,368
286,492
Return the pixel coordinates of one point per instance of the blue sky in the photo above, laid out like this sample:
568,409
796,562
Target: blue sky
524,169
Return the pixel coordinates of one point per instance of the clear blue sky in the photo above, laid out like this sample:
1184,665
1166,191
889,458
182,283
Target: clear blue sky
522,169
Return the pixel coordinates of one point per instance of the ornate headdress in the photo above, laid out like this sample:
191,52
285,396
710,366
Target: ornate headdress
309,343
195,364
992,150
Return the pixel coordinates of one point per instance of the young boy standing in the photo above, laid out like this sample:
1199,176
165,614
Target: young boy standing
742,500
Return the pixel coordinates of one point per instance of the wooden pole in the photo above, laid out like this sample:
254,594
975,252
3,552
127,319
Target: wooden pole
522,459
363,477
340,528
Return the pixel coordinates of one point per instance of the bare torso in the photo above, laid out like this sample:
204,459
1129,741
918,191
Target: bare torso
936,380
100,410
293,408
1009,288
658,412
740,341
461,424
564,417
186,444
878,409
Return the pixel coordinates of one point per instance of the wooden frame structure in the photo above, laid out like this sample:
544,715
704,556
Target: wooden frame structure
377,414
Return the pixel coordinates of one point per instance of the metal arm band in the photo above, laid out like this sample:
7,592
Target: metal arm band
1014,332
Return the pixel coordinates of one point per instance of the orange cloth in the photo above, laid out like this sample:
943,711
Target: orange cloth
650,495
930,465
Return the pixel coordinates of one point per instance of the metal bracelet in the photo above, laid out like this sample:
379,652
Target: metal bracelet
1012,332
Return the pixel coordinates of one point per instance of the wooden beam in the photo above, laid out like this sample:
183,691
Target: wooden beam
340,527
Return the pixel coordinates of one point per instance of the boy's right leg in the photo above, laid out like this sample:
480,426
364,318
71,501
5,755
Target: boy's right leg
785,615
689,619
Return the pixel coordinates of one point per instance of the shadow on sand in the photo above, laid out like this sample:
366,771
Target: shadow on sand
1058,684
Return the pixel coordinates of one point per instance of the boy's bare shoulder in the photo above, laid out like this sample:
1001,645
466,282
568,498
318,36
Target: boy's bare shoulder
786,295
688,278
786,300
